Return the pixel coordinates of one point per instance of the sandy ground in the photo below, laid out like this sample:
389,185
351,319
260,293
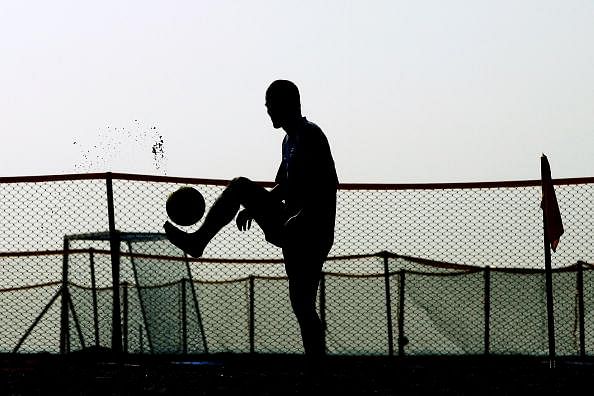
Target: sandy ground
289,375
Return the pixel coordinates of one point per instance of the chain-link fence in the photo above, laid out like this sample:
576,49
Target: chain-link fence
415,269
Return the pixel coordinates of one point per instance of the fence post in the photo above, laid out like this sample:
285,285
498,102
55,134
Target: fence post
94,296
125,319
323,307
251,314
64,325
402,340
580,295
384,254
114,246
196,306
184,317
487,307
140,299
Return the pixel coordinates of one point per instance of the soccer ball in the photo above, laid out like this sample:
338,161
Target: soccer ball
185,206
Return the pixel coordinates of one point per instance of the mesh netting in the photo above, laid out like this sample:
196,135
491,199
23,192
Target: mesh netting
415,269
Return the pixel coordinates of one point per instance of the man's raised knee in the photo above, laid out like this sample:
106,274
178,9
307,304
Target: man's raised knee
237,185
239,182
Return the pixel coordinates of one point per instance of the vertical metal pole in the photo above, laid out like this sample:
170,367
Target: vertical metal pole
402,341
487,306
64,325
140,299
114,245
549,294
184,317
251,315
196,305
125,318
580,295
388,304
545,175
323,307
94,296
140,338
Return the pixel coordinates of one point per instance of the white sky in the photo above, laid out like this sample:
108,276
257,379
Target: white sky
406,91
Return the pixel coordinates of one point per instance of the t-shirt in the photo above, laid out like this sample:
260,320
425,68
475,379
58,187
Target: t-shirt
307,174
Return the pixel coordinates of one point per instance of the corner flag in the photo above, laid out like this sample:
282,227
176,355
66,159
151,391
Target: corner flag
549,205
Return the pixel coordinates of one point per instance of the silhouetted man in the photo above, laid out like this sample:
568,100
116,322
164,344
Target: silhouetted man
297,215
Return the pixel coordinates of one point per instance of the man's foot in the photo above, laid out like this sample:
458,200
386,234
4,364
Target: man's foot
190,243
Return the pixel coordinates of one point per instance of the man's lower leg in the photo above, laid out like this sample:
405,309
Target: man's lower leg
219,215
313,338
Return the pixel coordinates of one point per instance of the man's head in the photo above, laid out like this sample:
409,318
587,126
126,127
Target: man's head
283,102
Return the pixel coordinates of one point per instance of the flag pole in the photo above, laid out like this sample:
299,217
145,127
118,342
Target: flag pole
549,287
546,178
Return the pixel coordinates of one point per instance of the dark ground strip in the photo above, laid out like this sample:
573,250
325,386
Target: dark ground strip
289,375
